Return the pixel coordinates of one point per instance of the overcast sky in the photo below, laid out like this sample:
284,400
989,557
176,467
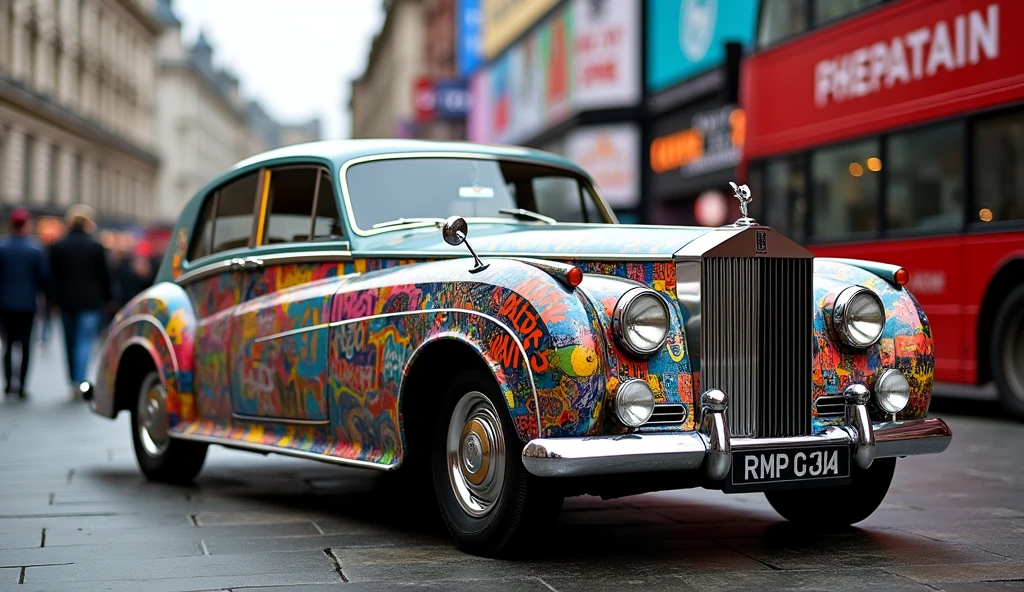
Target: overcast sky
295,56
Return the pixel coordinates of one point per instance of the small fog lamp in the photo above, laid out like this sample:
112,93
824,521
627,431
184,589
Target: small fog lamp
634,403
892,391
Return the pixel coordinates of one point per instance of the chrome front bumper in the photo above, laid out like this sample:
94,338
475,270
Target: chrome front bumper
711,446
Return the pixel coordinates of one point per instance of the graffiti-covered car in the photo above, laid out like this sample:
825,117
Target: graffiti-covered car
478,312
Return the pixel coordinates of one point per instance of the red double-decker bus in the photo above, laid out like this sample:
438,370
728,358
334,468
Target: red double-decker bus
894,131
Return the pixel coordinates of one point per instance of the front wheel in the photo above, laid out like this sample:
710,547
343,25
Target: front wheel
160,457
1007,353
851,503
488,500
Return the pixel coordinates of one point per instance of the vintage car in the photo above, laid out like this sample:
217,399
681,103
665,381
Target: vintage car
322,301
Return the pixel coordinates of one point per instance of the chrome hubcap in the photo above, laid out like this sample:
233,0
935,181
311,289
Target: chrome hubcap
1013,355
152,417
476,454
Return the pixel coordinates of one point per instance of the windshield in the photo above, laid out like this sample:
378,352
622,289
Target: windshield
416,188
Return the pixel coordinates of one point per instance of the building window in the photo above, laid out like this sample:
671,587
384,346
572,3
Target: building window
846,189
924,177
999,169
826,11
28,166
781,19
785,195
53,181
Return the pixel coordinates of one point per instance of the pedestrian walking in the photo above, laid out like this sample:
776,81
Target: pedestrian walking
23,278
81,290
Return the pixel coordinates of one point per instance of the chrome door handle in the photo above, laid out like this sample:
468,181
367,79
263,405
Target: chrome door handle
236,263
252,263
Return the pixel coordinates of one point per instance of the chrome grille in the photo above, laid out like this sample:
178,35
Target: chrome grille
667,414
756,341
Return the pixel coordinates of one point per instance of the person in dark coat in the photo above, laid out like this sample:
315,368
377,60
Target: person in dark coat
81,289
23,277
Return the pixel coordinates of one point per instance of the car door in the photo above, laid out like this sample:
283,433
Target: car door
213,277
281,328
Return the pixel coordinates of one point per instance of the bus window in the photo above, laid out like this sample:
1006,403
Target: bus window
999,169
846,189
826,11
781,19
785,187
925,178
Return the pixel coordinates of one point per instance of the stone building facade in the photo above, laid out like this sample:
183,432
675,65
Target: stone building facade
77,106
382,98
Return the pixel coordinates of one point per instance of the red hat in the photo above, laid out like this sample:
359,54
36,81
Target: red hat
20,216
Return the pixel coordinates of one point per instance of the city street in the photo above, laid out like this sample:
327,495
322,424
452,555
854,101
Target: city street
76,514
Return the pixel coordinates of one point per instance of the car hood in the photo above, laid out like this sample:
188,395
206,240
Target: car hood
598,242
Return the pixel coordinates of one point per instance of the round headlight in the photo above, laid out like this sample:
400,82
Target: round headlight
892,391
858,316
641,321
634,402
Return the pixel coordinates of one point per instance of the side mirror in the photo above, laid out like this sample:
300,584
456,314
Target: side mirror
454,232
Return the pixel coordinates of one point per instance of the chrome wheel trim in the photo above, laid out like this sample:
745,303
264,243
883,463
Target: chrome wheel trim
1013,355
476,454
152,417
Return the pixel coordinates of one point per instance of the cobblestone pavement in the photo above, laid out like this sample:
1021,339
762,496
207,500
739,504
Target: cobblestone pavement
75,514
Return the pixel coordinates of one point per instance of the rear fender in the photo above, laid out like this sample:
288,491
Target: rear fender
161,321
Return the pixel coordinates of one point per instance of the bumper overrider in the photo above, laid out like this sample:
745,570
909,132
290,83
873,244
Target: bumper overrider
711,446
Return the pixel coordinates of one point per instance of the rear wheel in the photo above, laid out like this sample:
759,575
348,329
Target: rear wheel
1007,353
487,498
856,501
160,457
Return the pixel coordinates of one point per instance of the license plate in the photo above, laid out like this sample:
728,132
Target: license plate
766,469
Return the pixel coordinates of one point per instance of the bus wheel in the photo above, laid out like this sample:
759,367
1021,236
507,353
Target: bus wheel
1007,353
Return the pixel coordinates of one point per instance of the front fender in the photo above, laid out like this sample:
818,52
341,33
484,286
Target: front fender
906,342
539,338
162,322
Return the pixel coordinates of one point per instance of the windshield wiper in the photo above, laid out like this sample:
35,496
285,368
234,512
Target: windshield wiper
527,214
401,221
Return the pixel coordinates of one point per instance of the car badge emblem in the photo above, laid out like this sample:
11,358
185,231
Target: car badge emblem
761,245
742,193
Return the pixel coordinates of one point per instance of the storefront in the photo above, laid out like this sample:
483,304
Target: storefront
571,86
695,136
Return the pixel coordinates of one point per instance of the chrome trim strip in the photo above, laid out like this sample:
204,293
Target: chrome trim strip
560,256
504,327
606,211
291,332
208,269
606,455
205,270
632,453
259,419
285,451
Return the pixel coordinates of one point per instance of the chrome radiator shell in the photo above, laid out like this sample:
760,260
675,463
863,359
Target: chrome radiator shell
747,292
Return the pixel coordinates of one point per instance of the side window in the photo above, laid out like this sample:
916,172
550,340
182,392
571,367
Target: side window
202,238
826,11
233,223
999,169
290,205
326,221
846,187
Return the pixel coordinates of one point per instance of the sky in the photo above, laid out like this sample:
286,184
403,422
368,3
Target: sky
295,56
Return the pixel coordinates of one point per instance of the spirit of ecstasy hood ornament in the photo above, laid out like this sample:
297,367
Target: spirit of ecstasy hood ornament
742,193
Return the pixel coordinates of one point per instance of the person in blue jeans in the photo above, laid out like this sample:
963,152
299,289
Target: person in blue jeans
23,277
81,289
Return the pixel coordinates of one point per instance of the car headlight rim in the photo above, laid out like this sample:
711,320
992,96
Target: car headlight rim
634,403
850,317
624,321
892,391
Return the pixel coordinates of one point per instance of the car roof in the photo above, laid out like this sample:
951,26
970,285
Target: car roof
341,151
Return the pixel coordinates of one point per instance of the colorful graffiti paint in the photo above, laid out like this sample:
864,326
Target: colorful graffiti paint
906,342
